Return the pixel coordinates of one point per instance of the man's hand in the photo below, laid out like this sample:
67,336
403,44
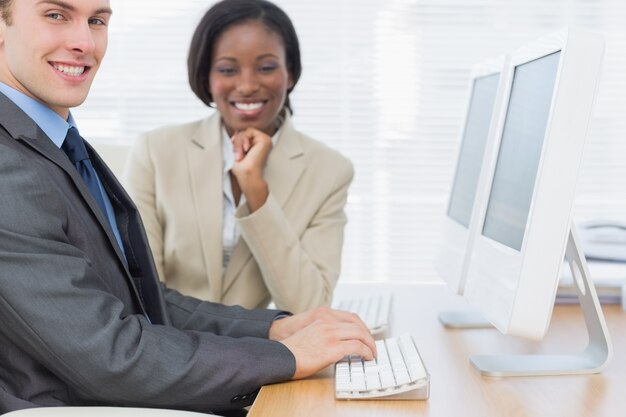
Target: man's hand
321,337
283,328
251,147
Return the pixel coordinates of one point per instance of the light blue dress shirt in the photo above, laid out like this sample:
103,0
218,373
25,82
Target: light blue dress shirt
56,129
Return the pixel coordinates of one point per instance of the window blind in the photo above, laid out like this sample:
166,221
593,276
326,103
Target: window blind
385,82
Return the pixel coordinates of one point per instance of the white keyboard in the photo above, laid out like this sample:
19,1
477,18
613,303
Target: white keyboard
398,373
373,310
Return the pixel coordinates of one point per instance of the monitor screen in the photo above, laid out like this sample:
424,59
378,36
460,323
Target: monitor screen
475,134
520,150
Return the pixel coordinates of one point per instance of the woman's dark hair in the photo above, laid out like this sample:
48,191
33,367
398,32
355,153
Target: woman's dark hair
222,16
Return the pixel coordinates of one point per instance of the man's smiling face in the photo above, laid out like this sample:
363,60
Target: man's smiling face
51,50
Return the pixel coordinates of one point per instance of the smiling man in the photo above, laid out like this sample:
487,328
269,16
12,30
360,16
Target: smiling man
83,318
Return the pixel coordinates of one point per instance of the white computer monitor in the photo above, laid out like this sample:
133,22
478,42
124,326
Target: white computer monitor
525,217
485,98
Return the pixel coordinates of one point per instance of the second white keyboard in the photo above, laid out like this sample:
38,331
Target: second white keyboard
374,310
397,373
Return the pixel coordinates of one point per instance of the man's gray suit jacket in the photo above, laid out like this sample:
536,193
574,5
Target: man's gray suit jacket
80,324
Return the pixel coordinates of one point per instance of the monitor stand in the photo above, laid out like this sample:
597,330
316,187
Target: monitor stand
464,319
598,352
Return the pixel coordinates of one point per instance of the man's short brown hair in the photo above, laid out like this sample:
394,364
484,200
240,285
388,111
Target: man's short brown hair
5,10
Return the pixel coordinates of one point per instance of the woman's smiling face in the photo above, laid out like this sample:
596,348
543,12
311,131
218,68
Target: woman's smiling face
249,78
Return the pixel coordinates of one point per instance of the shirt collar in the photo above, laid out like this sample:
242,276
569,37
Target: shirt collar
50,122
228,154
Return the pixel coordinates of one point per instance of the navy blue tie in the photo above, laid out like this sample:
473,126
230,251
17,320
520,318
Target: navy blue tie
74,147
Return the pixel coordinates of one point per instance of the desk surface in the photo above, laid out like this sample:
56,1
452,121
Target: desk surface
457,389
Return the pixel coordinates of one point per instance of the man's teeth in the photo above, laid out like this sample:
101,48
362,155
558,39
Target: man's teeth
248,106
66,69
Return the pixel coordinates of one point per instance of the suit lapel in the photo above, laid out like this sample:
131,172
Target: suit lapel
140,270
48,149
21,127
204,157
108,182
282,172
24,129
138,260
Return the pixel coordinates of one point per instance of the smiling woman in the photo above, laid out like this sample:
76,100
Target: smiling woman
258,221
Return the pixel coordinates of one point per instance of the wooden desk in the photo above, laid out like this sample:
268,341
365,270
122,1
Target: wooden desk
457,389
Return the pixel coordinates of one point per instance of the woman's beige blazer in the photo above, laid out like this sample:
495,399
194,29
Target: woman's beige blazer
290,248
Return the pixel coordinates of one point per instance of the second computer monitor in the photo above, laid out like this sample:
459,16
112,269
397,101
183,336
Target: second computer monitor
484,101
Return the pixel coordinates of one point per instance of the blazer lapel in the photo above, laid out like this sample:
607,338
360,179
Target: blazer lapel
46,148
106,178
139,264
282,172
24,129
284,166
204,158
